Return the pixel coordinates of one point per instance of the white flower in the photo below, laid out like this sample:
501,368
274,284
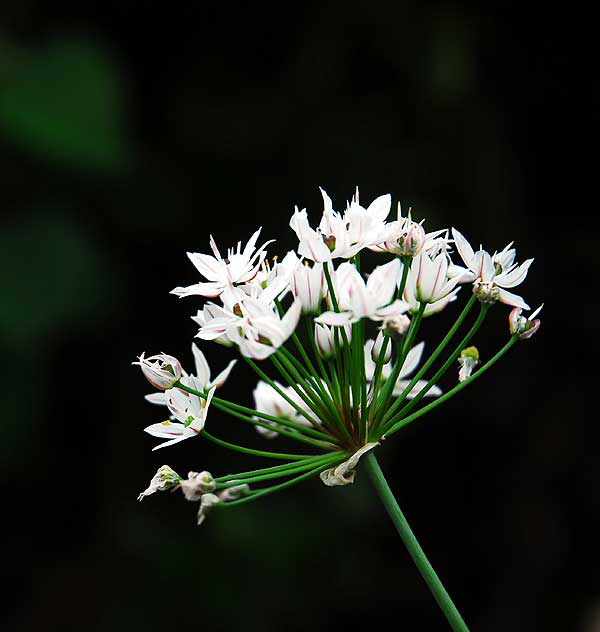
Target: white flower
468,360
165,478
325,339
162,371
240,266
207,502
206,317
413,357
196,484
254,324
407,238
357,299
344,473
268,400
188,410
521,326
428,282
341,236
491,274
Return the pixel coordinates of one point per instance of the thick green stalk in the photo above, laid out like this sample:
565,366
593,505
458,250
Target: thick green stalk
414,549
399,422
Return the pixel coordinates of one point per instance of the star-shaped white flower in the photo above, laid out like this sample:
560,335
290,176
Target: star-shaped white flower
341,235
358,299
189,412
240,266
492,274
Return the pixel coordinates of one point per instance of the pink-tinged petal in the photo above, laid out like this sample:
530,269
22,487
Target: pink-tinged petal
208,290
464,249
165,430
508,298
187,434
223,375
208,266
383,281
336,319
327,204
156,398
488,269
202,368
514,277
413,357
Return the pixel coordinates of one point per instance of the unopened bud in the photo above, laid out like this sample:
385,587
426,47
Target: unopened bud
468,360
325,338
162,371
165,478
234,492
196,484
378,346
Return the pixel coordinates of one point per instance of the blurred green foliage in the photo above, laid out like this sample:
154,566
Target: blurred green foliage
64,103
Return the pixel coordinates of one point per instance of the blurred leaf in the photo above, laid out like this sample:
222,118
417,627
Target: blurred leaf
54,279
65,104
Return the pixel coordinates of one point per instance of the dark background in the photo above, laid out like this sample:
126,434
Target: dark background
128,133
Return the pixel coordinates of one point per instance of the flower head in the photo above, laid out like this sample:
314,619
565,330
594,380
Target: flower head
196,484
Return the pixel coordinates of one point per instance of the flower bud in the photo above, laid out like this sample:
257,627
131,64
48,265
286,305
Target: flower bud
524,327
196,484
325,339
235,492
468,360
165,478
207,502
308,284
410,240
378,345
162,371
396,326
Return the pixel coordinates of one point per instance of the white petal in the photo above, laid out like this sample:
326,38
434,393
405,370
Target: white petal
511,299
202,368
464,248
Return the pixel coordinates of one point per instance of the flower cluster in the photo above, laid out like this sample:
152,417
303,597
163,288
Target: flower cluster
343,343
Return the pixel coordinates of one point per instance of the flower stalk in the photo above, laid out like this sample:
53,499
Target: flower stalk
413,547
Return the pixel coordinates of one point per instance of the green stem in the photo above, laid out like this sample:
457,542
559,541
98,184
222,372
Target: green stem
273,489
432,358
410,541
276,468
446,396
256,478
280,456
234,409
449,362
